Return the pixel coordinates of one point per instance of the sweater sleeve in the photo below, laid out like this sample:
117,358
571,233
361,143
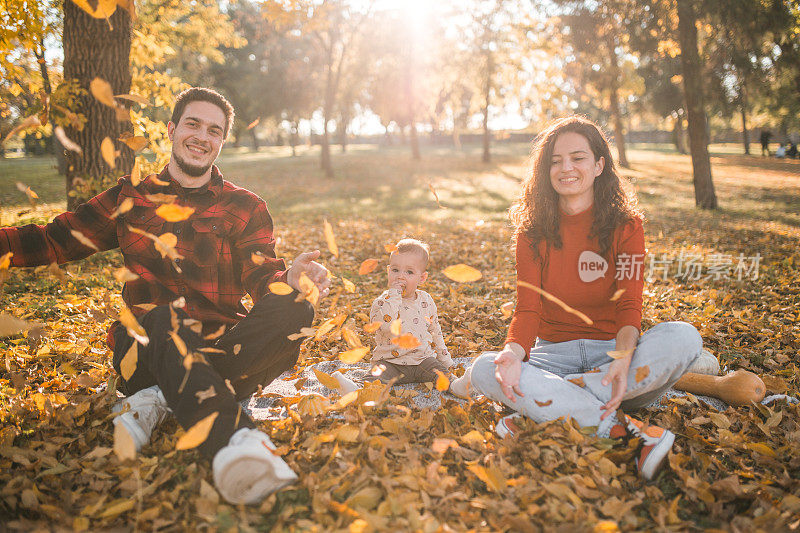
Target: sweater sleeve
630,274
525,323
70,236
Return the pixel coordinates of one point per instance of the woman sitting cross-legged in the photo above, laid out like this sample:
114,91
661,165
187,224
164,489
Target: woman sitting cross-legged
579,237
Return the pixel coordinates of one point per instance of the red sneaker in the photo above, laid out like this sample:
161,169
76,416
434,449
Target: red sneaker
507,425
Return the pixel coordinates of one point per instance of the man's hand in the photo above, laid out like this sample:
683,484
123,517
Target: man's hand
315,272
508,367
617,377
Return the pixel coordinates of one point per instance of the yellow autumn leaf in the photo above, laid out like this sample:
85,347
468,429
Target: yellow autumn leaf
135,329
308,290
372,327
435,196
197,434
124,447
5,260
304,332
442,381
556,301
326,379
396,327
347,433
390,248
642,372
259,258
367,266
161,198
617,294
353,356
253,124
330,239
441,445
32,121
462,273
174,212
133,97
99,9
490,475
349,286
619,354
124,206
65,141
351,338
83,239
136,175
129,361
108,152
313,405
99,87
280,288
507,309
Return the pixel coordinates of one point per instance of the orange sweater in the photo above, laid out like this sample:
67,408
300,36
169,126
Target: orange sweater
574,274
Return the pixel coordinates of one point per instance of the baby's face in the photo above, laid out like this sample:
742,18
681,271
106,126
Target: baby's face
406,272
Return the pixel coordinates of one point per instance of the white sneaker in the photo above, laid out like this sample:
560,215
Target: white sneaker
706,363
143,412
461,386
346,385
246,470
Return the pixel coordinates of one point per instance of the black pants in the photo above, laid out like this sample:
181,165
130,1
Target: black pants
257,351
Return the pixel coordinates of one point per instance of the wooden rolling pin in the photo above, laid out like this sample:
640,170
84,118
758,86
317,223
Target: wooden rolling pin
737,388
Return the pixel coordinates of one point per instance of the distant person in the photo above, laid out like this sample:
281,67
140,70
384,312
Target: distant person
780,153
792,150
766,135
579,237
203,352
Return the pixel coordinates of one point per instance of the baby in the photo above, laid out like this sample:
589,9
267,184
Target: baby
417,361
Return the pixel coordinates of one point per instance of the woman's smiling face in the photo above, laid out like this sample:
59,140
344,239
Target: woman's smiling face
573,169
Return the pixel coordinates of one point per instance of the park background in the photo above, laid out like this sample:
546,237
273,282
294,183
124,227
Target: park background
409,118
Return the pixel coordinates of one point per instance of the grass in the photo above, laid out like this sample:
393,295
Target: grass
735,468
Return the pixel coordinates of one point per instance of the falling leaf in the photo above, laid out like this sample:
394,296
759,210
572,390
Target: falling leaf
349,286
313,405
253,124
556,301
236,349
304,332
355,355
133,97
372,327
280,288
367,266
346,400
442,381
135,329
124,206
197,434
102,91
330,239
83,239
577,381
462,273
217,334
620,354
136,176
127,366
123,275
165,244
308,290
407,341
435,196
206,394
155,181
174,212
605,526
491,475
5,260
441,445
99,9
161,198
326,379
507,309
108,152
390,248
617,294
134,142
396,327
641,373
351,338
32,121
179,343
32,196
259,258
11,325
543,404
65,141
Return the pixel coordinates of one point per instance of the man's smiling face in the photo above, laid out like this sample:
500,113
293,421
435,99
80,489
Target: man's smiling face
198,137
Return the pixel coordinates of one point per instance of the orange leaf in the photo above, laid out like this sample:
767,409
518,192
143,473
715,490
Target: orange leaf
254,123
326,379
462,273
197,434
351,338
83,239
128,364
617,295
134,142
330,239
135,329
161,198
577,381
507,309
396,328
99,87
280,288
556,301
441,445
442,381
5,261
619,354
407,341
641,373
349,286
367,266
133,97
543,404
390,248
124,275
436,196
258,258
174,212
353,356
108,152
136,175
372,327
124,206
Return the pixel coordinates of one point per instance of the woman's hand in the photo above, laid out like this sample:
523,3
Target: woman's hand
617,377
508,367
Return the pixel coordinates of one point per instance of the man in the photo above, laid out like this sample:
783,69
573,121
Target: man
765,136
200,352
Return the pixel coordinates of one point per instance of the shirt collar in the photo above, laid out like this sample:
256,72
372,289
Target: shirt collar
214,185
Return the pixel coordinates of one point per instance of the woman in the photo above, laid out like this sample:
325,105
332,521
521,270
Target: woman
579,237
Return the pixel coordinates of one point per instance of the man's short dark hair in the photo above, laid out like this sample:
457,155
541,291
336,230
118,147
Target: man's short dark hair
203,94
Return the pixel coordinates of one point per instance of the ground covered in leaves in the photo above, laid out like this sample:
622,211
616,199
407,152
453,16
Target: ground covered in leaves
381,463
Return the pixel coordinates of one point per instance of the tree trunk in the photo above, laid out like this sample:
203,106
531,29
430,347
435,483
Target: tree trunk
341,129
678,136
619,130
414,141
487,95
743,109
325,156
294,139
704,194
93,50
255,139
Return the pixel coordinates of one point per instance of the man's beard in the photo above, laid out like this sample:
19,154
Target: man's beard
194,171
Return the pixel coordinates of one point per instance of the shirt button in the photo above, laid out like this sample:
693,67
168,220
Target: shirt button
214,227
178,231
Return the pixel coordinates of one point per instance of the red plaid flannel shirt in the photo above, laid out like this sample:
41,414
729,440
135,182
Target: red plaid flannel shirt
217,243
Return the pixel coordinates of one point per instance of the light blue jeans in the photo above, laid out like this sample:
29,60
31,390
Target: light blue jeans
666,349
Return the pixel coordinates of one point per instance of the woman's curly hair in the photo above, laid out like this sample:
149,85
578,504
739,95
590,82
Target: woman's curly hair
536,213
